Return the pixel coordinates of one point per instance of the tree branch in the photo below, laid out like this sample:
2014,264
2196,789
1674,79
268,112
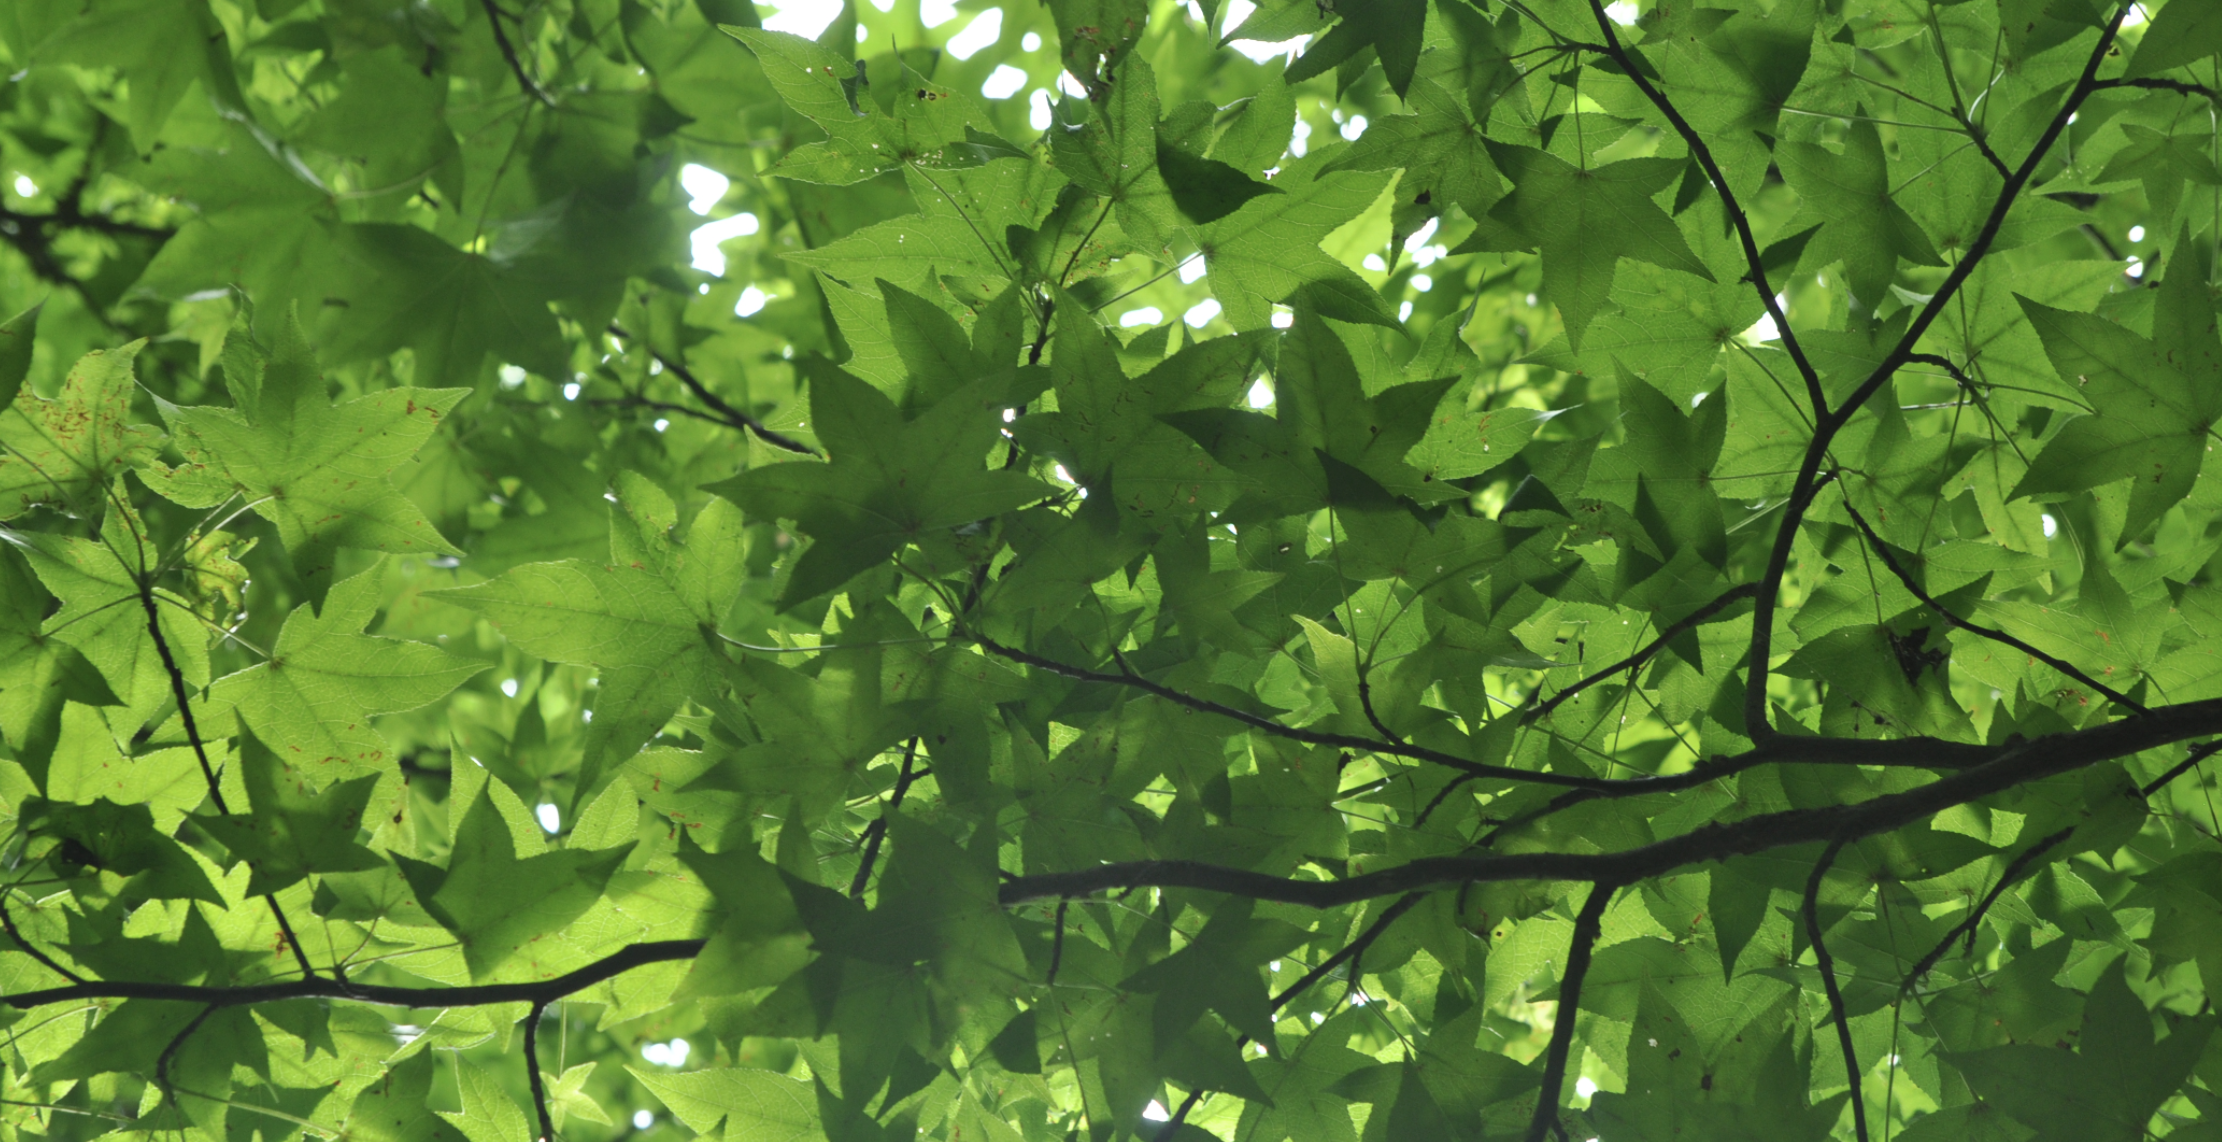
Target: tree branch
7,920
1905,577
1756,270
480,995
2185,766
1587,925
178,691
1969,926
1350,951
532,1071
1809,479
525,80
732,416
876,832
1690,622
2011,765
2176,85
1828,982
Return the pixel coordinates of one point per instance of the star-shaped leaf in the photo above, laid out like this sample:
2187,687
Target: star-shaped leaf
313,700
292,828
2153,401
1268,251
888,482
316,470
66,451
1114,154
1587,220
498,903
102,614
1849,195
646,620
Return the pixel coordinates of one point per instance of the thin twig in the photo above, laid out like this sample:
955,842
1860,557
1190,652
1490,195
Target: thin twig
1057,943
876,832
1906,578
1690,622
1756,270
1587,925
509,52
1970,926
169,1053
184,700
2185,766
732,416
1828,982
7,920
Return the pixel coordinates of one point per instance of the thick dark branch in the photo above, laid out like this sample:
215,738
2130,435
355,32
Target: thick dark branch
2012,765
876,833
1999,636
1587,924
1809,478
1974,921
1695,619
1756,270
509,52
732,416
1821,955
532,1071
482,995
1921,753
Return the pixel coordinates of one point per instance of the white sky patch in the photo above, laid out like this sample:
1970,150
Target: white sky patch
2052,526
1420,236
1030,42
1373,262
1071,86
1040,115
2136,233
1147,315
550,819
1201,313
25,187
1404,312
1301,139
672,1054
643,1119
1258,50
1763,331
509,687
1003,82
1622,13
1192,269
705,239
935,13
752,301
571,391
806,18
1354,128
1283,318
1583,1087
1261,394
1422,282
982,32
1156,1112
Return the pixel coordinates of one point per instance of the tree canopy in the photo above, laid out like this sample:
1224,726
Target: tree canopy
1202,571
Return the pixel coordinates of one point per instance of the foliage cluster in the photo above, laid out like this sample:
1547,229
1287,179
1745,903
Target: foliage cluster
1416,569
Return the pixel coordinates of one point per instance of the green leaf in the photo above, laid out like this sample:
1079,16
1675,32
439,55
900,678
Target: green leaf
292,828
316,470
499,903
312,701
1586,221
887,483
1849,195
66,451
